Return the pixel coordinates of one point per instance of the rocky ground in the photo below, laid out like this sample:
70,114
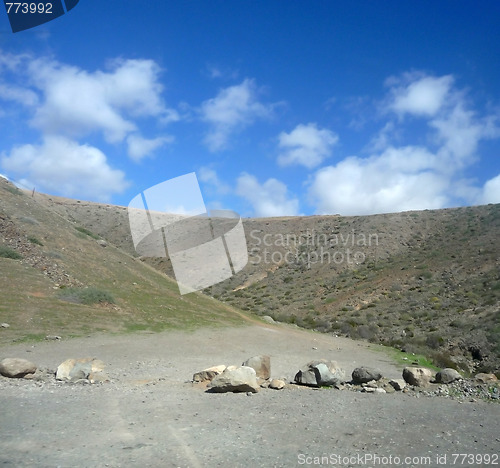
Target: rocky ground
151,414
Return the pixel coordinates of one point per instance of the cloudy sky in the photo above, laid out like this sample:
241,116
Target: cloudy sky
280,107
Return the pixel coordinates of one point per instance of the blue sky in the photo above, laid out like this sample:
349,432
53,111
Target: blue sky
280,107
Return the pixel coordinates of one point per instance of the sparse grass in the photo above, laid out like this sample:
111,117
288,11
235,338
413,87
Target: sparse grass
35,240
86,232
7,252
13,190
86,296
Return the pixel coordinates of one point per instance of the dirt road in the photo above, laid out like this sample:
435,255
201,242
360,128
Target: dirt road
151,416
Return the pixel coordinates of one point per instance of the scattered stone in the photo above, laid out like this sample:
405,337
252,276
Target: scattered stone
320,373
380,390
240,379
208,375
277,384
418,376
397,384
16,367
261,365
486,378
368,390
447,376
370,384
4,325
365,374
268,319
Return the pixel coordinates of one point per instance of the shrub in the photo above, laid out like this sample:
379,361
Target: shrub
6,252
86,296
34,240
86,232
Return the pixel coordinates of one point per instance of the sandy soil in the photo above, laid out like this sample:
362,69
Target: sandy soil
151,415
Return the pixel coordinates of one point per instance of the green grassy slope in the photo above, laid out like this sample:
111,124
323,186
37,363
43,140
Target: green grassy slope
57,255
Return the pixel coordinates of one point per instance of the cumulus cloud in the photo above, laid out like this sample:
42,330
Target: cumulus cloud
60,165
231,110
139,147
306,145
411,177
76,102
399,179
417,94
267,199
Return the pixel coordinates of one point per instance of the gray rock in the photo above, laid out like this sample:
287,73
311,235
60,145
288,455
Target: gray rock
53,337
16,367
4,325
102,243
241,379
447,376
320,373
268,319
397,384
418,376
324,377
365,374
261,364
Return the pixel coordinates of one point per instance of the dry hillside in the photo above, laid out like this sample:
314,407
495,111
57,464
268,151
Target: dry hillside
426,282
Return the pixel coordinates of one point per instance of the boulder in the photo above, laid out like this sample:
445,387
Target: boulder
277,384
261,365
76,369
365,374
320,373
207,375
240,379
418,376
268,319
16,367
4,325
447,376
397,384
486,378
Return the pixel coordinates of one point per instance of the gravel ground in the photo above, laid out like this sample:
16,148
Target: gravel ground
150,415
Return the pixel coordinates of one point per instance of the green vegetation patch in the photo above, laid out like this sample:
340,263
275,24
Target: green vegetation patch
86,296
86,232
7,252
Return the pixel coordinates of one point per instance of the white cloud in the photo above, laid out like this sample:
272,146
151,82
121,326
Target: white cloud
23,96
490,192
459,132
417,94
60,165
232,109
399,179
76,102
209,176
267,199
306,145
139,147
